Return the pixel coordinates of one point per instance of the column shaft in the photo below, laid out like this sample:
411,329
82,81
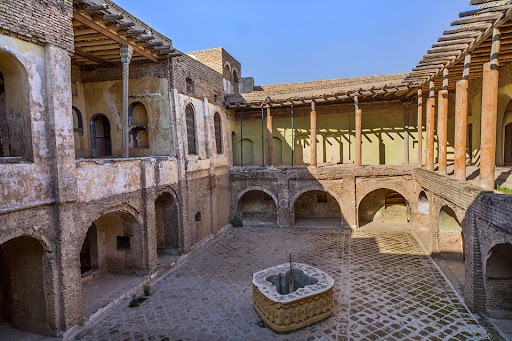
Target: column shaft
420,127
270,139
431,117
406,108
313,161
359,137
442,130
488,130
461,121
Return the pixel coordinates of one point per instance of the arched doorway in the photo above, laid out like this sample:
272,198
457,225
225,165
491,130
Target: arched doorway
100,136
498,280
302,154
257,208
451,241
89,251
247,155
22,285
383,206
317,209
167,225
333,149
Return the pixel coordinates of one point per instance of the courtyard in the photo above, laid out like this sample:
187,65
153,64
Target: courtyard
386,288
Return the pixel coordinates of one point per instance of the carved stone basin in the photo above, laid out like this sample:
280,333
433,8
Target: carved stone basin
287,301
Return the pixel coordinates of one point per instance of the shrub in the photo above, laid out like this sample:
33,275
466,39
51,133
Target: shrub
236,221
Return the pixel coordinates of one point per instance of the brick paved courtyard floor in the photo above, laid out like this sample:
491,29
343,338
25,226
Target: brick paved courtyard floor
386,288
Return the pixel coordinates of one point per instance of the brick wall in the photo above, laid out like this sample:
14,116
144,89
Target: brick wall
38,21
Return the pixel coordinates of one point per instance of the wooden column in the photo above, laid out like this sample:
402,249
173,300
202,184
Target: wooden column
489,115
442,124
313,135
420,127
461,122
431,117
270,139
359,133
126,56
406,107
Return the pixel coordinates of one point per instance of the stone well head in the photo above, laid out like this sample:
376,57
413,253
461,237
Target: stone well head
288,299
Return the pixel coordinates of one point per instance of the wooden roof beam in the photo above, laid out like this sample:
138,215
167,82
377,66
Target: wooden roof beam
453,42
477,19
484,10
92,58
469,28
446,37
113,36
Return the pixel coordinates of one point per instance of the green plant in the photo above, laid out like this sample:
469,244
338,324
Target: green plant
147,290
505,190
236,221
134,301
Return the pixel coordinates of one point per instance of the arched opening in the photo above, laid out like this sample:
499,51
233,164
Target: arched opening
191,129
100,136
235,82
257,208
22,285
138,121
217,123
423,204
333,149
247,156
383,206
302,155
15,118
451,242
498,280
167,225
111,253
317,209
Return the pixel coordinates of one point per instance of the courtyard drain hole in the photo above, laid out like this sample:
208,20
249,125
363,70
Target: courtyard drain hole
261,324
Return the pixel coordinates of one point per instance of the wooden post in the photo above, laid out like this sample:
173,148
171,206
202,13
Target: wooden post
270,139
431,117
359,133
406,107
461,122
489,115
420,127
442,124
313,162
126,56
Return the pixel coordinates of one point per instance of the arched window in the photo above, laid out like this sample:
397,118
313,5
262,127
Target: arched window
218,132
78,123
191,129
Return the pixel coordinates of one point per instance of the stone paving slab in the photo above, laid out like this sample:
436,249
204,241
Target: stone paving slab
386,288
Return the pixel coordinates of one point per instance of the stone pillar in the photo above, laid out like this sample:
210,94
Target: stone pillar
359,133
420,127
431,117
406,107
270,139
313,135
461,122
489,116
126,56
442,124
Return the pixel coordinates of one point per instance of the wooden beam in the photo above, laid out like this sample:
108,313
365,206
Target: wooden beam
113,36
90,57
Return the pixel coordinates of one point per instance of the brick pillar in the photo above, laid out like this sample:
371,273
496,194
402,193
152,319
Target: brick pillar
431,117
489,116
313,135
270,139
461,121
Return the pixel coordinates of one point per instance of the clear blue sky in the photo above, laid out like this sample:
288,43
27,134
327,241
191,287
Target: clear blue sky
280,41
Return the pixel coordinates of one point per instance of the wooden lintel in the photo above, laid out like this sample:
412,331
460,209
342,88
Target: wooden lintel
113,36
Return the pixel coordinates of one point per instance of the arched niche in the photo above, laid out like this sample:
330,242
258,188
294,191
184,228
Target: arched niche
383,206
257,207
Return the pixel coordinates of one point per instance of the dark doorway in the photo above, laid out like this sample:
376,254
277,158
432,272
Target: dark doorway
100,134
